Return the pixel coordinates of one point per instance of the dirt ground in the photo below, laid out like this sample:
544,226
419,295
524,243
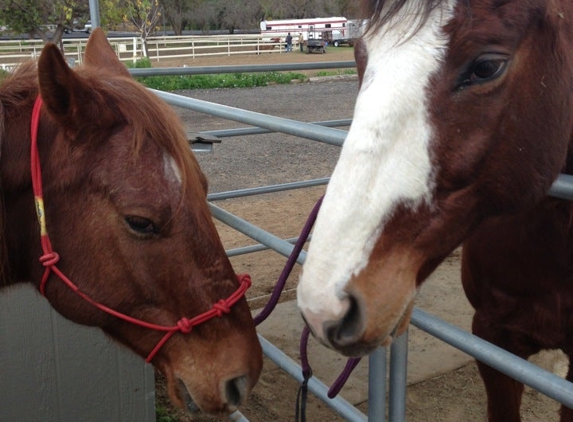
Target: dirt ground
250,161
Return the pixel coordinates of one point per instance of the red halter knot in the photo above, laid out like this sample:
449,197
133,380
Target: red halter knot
49,259
245,279
221,308
185,325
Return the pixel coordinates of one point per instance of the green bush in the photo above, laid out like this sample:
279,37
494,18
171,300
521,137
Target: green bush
3,75
228,80
143,63
336,72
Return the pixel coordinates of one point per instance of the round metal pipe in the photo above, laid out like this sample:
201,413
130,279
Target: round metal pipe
277,124
205,70
377,385
523,371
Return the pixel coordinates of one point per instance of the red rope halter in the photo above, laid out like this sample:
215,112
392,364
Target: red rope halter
50,258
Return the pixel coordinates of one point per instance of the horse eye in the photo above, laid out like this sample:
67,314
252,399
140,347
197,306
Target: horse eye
485,69
488,69
141,225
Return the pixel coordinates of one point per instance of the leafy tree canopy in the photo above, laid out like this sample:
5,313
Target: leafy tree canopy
47,19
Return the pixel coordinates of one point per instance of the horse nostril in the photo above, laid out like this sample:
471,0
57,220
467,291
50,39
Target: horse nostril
347,330
236,390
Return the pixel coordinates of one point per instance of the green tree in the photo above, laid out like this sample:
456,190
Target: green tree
233,15
145,15
179,13
348,8
204,15
32,16
112,14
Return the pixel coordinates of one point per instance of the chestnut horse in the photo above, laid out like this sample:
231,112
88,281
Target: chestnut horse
270,45
133,248
463,120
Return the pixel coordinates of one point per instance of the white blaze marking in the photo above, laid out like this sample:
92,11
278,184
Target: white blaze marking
172,172
384,161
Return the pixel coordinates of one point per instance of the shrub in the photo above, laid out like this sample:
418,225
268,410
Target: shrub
228,80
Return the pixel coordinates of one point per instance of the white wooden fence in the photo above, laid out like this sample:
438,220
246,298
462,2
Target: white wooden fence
163,48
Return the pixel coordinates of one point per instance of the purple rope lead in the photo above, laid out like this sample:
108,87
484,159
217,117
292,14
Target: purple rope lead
302,395
307,370
305,365
343,377
270,306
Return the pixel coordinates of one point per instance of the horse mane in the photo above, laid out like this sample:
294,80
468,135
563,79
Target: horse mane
381,12
16,89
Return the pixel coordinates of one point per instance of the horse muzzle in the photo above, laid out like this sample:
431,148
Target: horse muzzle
232,393
372,309
354,334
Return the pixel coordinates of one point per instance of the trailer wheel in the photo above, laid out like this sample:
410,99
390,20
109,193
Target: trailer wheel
336,43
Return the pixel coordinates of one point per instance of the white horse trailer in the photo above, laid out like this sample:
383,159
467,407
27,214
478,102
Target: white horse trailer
355,30
327,29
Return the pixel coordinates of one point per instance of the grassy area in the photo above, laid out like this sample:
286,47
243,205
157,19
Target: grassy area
163,415
337,72
3,75
227,80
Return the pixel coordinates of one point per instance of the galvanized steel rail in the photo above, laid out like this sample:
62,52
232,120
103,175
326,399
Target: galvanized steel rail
276,124
203,70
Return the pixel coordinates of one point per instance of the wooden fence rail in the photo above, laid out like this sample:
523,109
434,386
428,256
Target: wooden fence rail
160,48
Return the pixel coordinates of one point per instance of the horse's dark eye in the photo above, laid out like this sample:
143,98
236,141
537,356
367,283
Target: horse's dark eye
485,69
141,225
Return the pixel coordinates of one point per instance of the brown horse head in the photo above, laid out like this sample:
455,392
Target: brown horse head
126,211
464,112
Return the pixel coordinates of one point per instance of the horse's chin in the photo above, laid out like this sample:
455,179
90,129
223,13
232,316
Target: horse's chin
187,401
182,397
403,323
366,346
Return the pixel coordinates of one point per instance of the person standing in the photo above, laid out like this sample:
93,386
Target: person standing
289,42
301,42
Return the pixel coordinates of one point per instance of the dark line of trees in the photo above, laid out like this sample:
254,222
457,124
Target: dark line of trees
48,19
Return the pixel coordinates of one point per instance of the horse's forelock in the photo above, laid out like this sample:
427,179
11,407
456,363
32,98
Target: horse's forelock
149,118
163,126
380,12
20,87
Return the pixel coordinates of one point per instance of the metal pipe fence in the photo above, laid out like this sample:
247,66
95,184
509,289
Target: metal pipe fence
537,378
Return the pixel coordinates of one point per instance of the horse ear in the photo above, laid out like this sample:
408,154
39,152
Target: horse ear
58,83
66,97
100,54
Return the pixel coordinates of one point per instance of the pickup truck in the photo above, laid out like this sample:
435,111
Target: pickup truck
86,28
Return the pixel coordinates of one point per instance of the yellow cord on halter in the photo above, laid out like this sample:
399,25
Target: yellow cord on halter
41,215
